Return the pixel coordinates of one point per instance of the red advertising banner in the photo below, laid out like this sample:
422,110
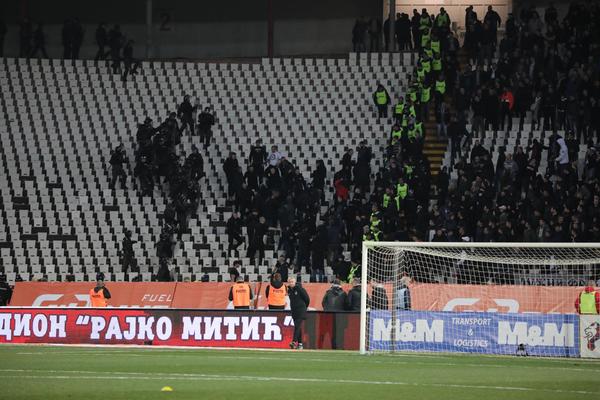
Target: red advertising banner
214,296
76,294
494,298
146,327
174,327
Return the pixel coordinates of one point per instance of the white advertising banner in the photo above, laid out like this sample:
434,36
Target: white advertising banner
589,331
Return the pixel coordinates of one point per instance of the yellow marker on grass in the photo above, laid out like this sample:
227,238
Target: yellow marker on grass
166,389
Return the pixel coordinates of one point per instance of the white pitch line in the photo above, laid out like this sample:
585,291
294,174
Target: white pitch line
198,377
323,360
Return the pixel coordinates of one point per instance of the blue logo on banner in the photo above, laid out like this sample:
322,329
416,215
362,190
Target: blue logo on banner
555,335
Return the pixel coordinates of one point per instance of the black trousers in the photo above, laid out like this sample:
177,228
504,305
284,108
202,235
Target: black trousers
298,322
118,173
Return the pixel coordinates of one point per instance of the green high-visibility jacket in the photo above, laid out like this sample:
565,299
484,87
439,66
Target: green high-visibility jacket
425,94
436,64
352,272
420,76
428,52
424,22
426,66
440,87
408,169
419,129
435,46
386,200
402,190
399,108
425,38
397,135
381,98
587,303
442,20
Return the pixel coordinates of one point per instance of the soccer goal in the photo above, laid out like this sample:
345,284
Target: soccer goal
493,298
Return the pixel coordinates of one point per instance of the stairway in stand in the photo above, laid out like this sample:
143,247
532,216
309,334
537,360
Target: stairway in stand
434,147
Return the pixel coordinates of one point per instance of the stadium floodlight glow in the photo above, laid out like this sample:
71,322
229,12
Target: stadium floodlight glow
492,298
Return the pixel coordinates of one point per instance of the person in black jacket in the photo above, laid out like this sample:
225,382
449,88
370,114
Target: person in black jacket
3,31
234,232
130,63
299,301
39,42
185,112
5,291
101,41
128,256
258,158
206,120
117,159
354,295
335,298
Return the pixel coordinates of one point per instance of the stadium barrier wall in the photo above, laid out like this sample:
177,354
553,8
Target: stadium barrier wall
214,295
552,335
201,295
175,327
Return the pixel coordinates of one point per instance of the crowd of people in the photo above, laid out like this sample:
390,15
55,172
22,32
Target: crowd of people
112,44
159,166
545,72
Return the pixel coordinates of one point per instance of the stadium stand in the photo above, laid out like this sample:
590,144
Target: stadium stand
62,119
507,102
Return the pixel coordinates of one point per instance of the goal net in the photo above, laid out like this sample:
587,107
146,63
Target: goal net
493,298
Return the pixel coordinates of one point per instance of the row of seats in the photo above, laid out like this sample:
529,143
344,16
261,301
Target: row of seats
62,118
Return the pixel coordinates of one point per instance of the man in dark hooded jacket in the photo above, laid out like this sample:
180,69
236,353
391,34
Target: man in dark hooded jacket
299,301
335,298
353,299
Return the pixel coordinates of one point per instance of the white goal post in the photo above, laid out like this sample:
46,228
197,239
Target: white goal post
491,298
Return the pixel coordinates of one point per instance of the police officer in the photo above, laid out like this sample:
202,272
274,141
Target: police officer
381,99
276,292
241,294
99,295
588,301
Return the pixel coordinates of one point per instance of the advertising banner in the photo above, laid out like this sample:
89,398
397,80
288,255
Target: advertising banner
489,333
151,326
146,327
494,298
214,295
76,294
201,295
589,329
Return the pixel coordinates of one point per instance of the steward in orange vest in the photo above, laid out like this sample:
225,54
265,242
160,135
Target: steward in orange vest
99,295
276,293
241,294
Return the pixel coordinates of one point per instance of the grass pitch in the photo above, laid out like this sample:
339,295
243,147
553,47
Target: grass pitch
48,373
